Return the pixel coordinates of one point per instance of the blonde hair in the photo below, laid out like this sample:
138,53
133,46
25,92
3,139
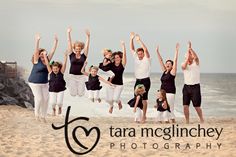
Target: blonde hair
139,89
106,51
78,44
93,67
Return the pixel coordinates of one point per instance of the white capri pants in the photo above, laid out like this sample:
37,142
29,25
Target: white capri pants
171,101
77,85
138,115
40,92
93,94
162,116
113,94
56,99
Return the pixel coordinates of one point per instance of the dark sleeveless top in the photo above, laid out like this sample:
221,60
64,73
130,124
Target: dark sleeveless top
159,106
168,83
118,71
93,83
57,82
105,68
39,73
76,64
140,103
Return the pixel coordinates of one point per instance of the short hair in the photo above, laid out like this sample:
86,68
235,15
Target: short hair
139,49
118,53
78,44
172,63
56,64
93,67
106,51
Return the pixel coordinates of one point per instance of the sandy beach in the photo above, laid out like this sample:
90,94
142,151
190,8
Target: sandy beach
22,135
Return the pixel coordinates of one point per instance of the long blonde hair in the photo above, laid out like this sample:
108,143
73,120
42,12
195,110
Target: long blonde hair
139,89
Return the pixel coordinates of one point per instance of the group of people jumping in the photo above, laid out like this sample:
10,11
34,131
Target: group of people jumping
48,84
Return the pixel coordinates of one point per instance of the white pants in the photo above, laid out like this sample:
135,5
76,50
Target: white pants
93,94
113,94
171,101
40,92
77,85
138,115
162,116
56,99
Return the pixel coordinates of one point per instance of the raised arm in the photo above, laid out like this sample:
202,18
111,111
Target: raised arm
36,49
69,40
50,55
47,62
132,49
160,60
143,46
86,49
185,63
174,69
63,68
83,69
195,57
124,53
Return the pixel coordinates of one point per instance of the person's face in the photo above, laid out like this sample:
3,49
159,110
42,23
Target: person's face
117,59
108,55
159,95
55,69
168,66
41,55
93,72
78,49
140,55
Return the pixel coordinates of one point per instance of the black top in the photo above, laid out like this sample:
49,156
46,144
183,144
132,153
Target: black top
93,83
76,64
118,71
168,82
140,103
56,82
160,107
105,68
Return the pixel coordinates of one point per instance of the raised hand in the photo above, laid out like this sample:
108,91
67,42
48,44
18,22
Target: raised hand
55,37
87,32
189,44
132,35
69,30
137,37
134,110
157,49
177,47
37,36
122,43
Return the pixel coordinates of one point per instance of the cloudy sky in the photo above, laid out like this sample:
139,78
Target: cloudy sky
209,24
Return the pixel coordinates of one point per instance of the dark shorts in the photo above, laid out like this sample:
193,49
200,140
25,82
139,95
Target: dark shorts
192,93
147,84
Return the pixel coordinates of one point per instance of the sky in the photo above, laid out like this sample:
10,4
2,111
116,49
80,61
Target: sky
209,24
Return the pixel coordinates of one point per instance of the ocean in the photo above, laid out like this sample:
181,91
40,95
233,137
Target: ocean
218,98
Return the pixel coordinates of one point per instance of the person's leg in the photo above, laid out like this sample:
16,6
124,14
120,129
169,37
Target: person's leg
96,96
91,95
45,91
200,115
147,84
186,113
171,100
60,98
81,85
38,98
53,101
166,116
138,115
73,85
196,99
109,98
186,102
116,96
158,116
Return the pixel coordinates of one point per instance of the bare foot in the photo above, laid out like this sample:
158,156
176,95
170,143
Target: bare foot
202,121
54,112
99,100
59,110
92,99
173,120
110,110
120,105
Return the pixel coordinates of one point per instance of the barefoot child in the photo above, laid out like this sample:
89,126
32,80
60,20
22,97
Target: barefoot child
57,84
163,108
107,53
93,83
137,103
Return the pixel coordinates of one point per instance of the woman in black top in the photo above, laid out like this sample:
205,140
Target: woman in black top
117,67
168,79
77,60
57,84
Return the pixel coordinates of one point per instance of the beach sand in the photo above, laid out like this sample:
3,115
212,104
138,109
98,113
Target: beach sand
22,135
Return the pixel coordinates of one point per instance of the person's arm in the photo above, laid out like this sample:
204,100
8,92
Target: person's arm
136,103
86,49
185,63
50,55
63,68
132,49
69,40
105,62
105,81
164,105
143,46
160,60
124,53
36,50
174,69
47,62
83,69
